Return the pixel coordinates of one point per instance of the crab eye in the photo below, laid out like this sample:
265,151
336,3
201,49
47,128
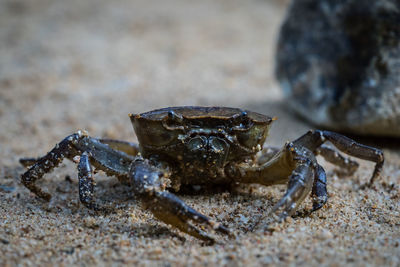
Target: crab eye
245,131
173,116
173,121
252,136
243,122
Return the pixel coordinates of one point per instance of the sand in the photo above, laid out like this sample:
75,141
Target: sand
71,65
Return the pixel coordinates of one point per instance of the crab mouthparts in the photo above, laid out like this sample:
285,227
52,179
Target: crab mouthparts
209,150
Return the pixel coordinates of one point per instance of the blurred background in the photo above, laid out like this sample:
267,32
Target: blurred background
67,65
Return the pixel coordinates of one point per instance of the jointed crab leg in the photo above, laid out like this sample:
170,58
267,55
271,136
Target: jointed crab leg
46,164
319,191
27,162
124,146
100,155
86,182
348,165
296,163
148,183
314,139
120,145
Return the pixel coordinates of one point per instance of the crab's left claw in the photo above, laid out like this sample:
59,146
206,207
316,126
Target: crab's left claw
300,184
147,183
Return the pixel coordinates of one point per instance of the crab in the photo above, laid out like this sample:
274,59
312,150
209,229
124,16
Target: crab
202,146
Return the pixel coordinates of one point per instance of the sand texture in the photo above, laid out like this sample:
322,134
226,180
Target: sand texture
71,65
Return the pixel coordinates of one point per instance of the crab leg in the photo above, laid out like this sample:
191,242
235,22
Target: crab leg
319,191
103,157
296,163
46,164
314,139
124,146
27,162
86,182
348,165
148,183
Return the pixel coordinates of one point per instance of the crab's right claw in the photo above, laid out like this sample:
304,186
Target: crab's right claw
147,184
170,209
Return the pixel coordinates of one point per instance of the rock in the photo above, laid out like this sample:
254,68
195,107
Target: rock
339,64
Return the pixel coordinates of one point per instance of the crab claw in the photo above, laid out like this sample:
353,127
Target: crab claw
167,207
300,184
170,209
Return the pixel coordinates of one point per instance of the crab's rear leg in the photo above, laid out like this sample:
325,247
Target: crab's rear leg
124,146
148,184
27,162
100,155
314,139
346,165
120,145
86,182
38,167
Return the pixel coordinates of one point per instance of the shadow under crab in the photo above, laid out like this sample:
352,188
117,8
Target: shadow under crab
202,145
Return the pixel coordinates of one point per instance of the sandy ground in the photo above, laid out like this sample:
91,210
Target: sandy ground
69,65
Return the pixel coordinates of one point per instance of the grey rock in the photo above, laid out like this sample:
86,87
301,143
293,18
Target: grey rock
338,62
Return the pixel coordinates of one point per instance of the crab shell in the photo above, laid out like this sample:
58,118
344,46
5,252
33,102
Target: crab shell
220,134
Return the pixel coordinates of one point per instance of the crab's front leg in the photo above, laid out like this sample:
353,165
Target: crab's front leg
293,165
149,183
